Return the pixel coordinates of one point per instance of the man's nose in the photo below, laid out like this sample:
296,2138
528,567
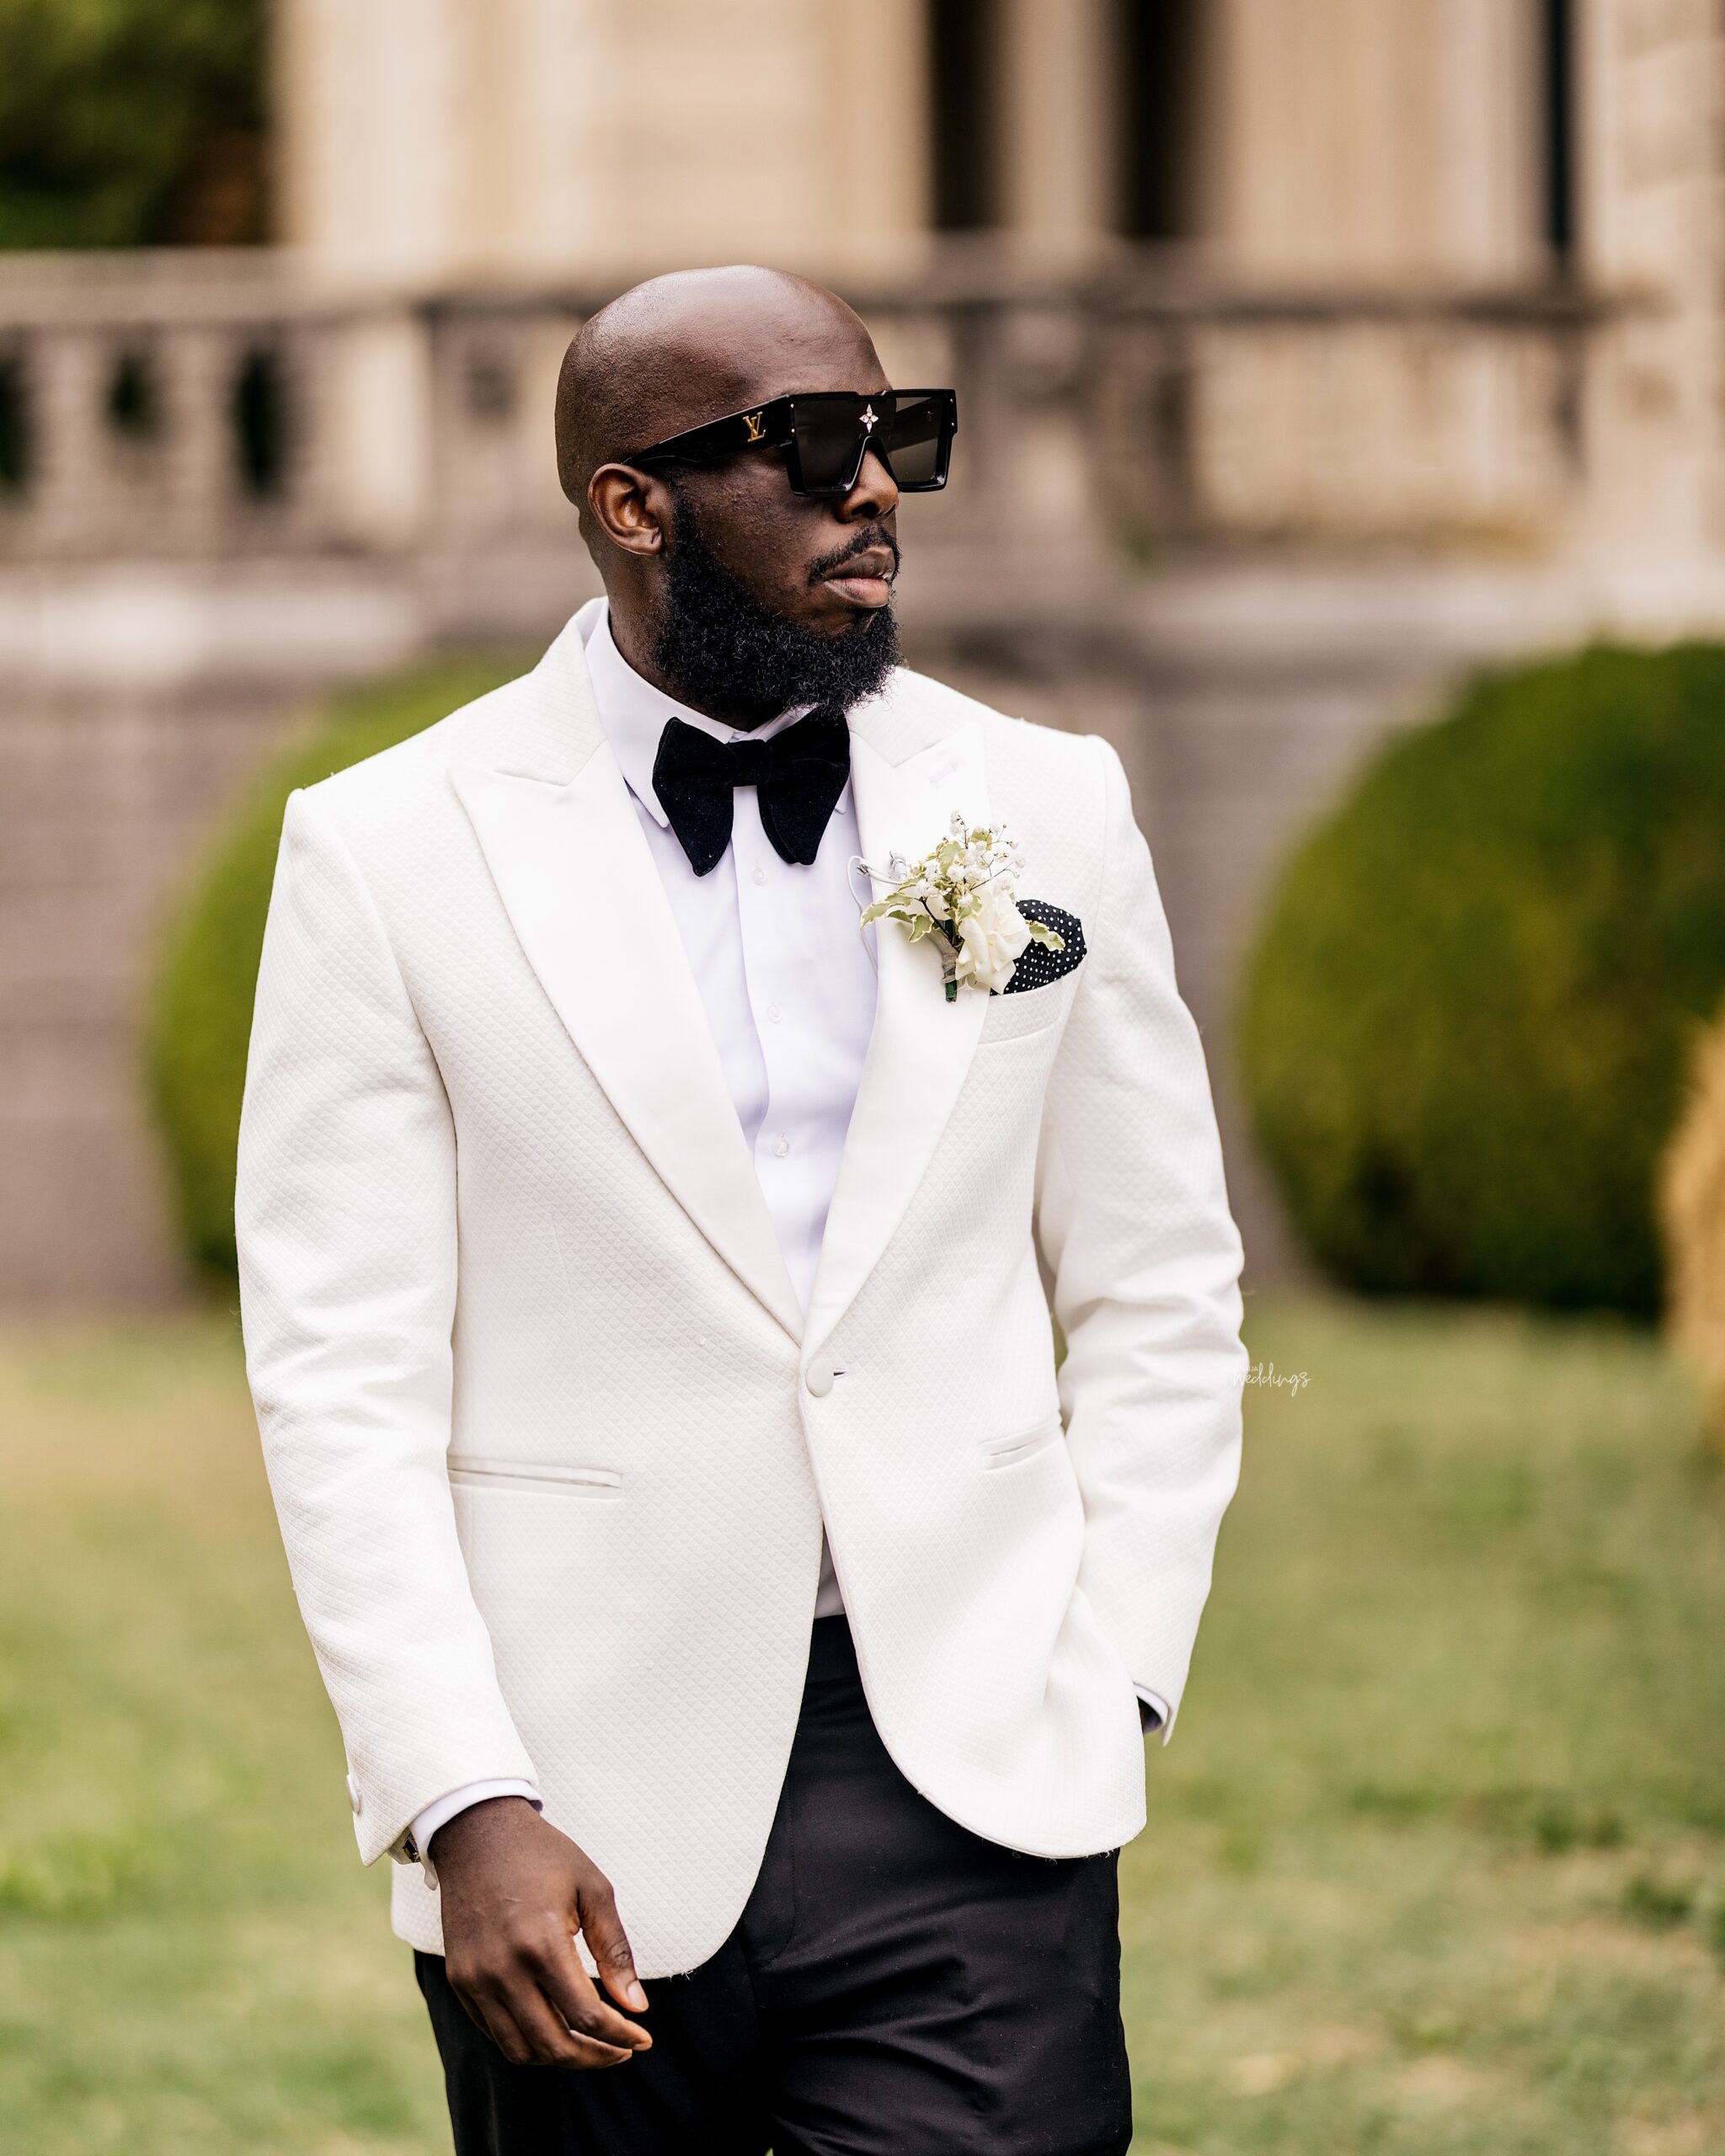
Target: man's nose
875,494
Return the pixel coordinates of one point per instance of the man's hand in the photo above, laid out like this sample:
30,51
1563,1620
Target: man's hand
514,1891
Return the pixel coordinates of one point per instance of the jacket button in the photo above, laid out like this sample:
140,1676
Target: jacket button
819,1376
354,1797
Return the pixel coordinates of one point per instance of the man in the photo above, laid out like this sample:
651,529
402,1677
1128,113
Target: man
647,1273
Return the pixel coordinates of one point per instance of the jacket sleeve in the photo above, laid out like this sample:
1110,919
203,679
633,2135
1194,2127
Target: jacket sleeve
345,1216
1142,1260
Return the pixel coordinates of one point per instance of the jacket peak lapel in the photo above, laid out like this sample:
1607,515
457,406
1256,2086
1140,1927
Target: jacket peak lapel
920,1049
584,898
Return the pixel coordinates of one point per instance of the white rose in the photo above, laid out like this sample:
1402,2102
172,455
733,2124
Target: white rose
991,939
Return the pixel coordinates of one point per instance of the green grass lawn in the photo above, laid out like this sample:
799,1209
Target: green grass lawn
1436,1863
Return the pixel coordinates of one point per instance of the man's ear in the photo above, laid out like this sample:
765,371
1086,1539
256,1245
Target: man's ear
631,508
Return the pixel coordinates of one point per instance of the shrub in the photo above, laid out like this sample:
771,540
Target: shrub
201,1013
1466,1026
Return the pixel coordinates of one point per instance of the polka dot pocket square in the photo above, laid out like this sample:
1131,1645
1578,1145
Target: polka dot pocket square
1036,964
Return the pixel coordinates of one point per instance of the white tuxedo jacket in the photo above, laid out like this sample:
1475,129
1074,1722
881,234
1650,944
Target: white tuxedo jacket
551,1442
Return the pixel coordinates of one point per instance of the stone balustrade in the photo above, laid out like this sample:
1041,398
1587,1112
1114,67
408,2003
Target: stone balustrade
204,409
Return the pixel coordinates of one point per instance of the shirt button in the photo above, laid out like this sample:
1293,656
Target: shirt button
820,1375
774,1012
757,874
353,1796
780,1146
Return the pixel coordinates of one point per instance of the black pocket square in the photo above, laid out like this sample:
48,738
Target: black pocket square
1036,964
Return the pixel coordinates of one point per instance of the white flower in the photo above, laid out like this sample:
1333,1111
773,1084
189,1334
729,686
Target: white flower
961,891
991,939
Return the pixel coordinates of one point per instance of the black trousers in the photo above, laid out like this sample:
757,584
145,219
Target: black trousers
895,1986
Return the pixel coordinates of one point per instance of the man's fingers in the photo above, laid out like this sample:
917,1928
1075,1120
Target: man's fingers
602,1929
515,2014
470,2008
552,2043
570,1991
487,2008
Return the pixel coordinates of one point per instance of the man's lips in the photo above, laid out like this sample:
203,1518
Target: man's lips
866,579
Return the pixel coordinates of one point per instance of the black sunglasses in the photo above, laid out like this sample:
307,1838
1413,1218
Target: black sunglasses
825,433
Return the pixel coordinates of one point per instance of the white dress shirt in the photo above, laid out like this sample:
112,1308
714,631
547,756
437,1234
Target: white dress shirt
786,978
786,975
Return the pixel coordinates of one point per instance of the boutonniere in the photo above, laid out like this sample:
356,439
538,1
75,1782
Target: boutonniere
962,891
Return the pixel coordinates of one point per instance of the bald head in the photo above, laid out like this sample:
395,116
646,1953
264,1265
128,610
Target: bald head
684,349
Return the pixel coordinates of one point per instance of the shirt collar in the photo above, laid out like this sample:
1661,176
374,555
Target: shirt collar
634,714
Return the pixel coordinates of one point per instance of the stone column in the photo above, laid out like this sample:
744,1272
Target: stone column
68,370
371,131
198,364
1058,136
872,191
554,215
1358,139
1652,166
374,447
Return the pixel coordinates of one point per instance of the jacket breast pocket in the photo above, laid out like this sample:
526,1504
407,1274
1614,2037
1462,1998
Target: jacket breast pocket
467,1471
1012,1017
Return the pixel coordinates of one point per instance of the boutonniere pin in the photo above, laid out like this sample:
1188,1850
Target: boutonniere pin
962,891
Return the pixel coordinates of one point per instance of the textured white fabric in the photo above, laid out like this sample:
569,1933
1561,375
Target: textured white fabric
563,1525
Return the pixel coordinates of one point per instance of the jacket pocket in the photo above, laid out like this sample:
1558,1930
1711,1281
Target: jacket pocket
1015,1017
478,1474
1023,1444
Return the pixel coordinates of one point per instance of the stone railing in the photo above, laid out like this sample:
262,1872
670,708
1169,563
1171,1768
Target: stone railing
205,406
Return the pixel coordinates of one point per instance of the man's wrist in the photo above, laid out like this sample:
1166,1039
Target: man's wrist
474,1821
436,1817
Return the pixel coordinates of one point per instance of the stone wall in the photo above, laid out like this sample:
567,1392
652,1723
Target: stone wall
107,794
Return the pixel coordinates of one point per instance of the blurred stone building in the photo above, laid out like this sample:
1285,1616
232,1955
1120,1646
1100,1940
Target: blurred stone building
1308,352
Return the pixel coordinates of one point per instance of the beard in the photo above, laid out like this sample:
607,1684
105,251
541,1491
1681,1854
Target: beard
723,652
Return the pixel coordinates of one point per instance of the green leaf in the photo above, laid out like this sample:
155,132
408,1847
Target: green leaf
892,906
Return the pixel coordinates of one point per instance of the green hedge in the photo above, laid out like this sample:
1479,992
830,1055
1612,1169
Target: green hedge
1465,1029
132,123
201,1013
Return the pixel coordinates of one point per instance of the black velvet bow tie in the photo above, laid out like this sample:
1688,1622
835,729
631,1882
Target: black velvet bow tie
797,776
